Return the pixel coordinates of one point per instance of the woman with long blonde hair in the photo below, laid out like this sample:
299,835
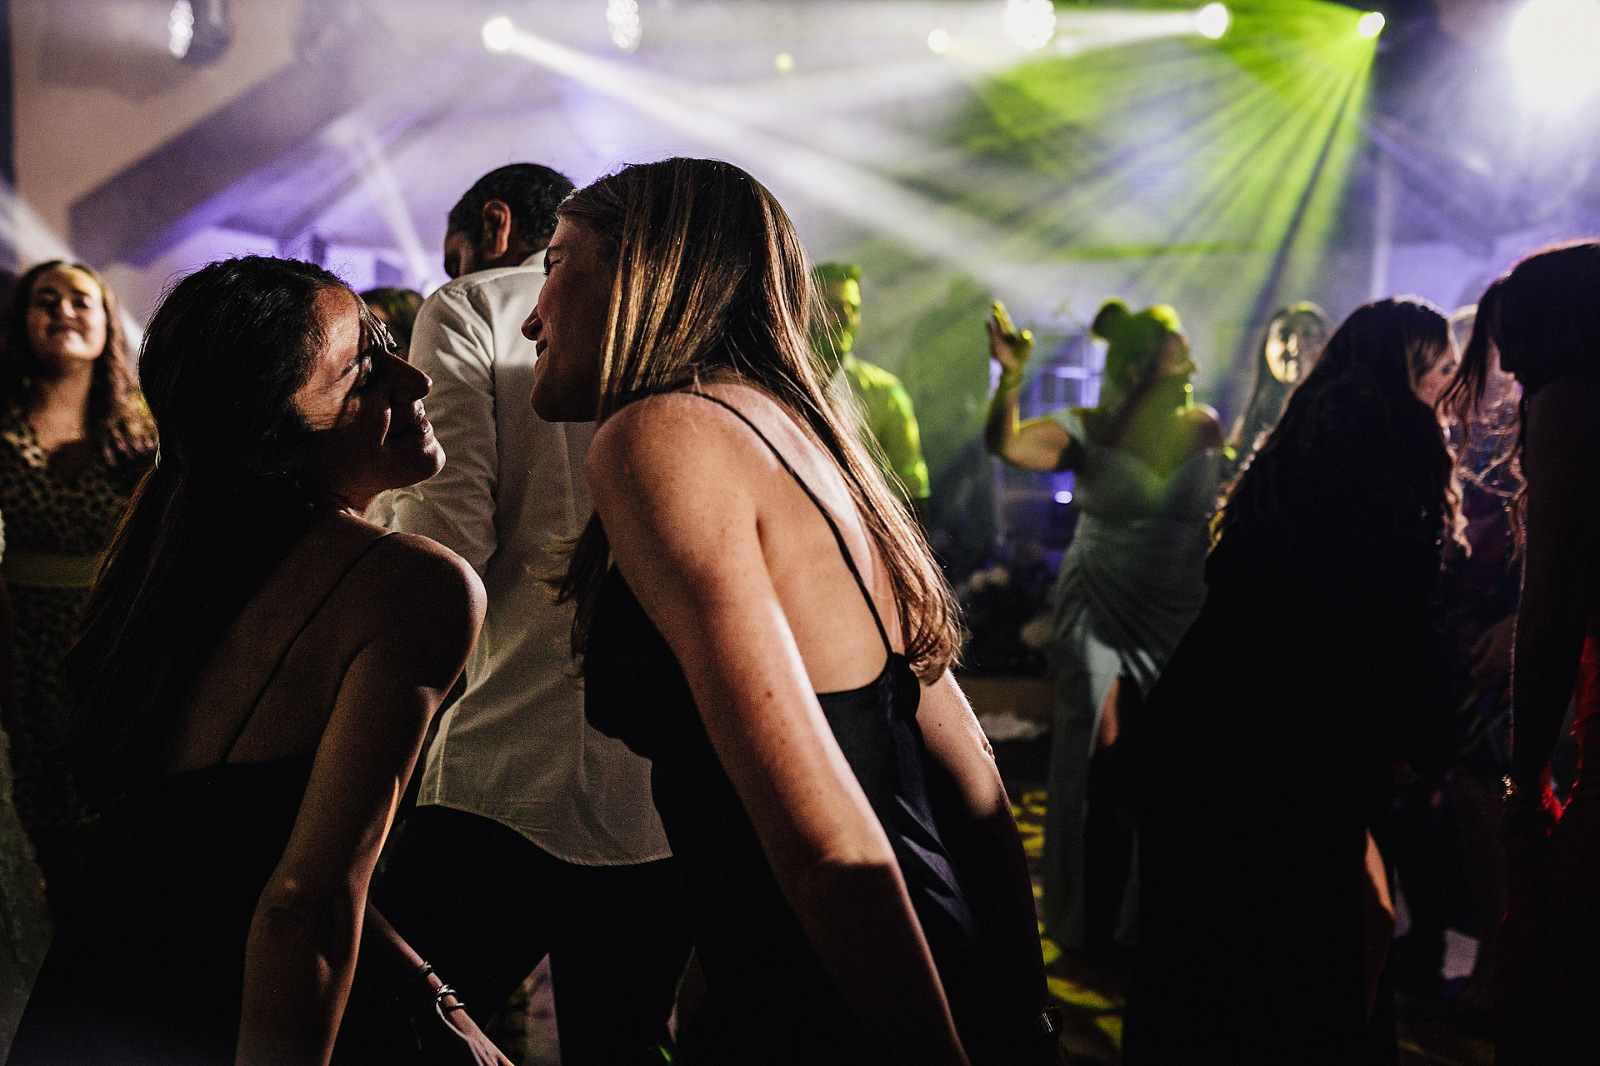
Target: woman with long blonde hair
758,616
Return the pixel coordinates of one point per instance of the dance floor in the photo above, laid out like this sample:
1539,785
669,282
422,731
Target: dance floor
1433,1032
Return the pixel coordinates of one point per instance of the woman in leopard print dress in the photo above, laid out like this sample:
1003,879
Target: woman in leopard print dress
74,441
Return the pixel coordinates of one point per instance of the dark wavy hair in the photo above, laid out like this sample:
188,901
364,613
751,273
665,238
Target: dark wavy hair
712,283
1371,364
1542,319
117,420
228,498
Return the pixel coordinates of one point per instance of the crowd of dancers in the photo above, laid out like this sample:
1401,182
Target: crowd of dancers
766,827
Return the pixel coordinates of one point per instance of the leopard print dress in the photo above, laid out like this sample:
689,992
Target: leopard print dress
47,513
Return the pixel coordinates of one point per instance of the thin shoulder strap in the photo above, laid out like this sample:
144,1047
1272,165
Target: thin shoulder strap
838,537
283,656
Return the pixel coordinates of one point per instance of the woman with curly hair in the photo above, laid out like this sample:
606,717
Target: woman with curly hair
1268,741
74,440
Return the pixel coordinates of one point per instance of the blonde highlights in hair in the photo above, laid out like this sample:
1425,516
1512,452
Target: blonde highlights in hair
712,283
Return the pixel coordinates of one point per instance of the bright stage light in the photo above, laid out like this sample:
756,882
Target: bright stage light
783,63
1554,47
622,17
199,31
1064,496
1212,20
1371,24
180,28
1030,23
498,33
938,41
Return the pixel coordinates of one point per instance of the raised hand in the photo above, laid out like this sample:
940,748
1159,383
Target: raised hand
1009,346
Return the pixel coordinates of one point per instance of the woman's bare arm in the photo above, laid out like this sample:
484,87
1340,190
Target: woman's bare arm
1039,444
984,843
301,951
1561,463
674,492
390,967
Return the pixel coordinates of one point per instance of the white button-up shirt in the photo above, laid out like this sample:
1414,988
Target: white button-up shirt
516,747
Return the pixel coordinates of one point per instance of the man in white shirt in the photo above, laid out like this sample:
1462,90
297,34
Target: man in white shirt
533,834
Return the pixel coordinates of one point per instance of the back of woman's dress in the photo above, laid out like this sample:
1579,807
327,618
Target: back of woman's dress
1265,754
148,967
1130,584
769,999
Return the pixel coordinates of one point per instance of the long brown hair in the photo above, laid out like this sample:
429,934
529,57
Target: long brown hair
1542,319
117,419
1376,356
712,282
229,497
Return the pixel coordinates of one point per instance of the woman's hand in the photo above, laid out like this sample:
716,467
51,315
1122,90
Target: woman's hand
454,1039
1009,346
1040,444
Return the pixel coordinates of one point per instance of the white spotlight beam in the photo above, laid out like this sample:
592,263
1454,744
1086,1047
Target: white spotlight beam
379,177
35,242
922,224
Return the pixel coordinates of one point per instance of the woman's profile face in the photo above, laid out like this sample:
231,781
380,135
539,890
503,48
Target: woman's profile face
66,319
1430,385
364,406
568,324
1293,344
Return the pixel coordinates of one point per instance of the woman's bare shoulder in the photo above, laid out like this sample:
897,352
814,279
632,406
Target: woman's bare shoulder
1574,398
1207,427
1563,432
677,432
408,571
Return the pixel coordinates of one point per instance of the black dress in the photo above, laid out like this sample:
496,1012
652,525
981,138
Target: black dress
1266,754
149,965
769,999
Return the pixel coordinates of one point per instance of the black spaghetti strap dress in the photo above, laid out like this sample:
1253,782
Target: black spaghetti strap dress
148,967
769,999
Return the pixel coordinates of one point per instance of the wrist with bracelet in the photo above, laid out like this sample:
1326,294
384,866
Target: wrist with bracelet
1010,379
428,999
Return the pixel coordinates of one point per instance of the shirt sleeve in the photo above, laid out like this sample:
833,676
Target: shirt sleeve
453,343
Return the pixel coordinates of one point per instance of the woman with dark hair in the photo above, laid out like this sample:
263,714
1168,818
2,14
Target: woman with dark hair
1148,464
1289,349
1543,321
1267,743
256,672
759,616
74,440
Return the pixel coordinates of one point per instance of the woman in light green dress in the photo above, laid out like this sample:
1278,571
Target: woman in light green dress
1148,463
